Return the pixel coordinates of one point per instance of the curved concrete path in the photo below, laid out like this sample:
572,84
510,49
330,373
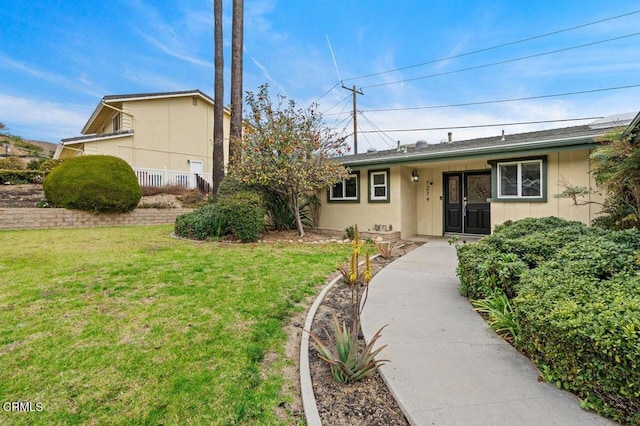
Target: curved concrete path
447,367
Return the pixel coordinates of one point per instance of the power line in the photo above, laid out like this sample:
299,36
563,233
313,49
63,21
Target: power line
336,104
377,128
502,100
493,47
482,125
328,91
504,62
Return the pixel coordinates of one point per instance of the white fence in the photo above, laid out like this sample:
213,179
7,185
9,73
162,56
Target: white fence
164,177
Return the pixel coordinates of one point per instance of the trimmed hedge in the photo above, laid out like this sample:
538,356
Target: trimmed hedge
93,182
202,224
576,301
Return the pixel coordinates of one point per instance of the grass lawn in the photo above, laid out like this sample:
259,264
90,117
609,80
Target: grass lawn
129,326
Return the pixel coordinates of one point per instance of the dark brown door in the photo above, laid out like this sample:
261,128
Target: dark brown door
466,209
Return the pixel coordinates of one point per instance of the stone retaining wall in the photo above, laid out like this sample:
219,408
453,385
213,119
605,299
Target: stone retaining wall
31,218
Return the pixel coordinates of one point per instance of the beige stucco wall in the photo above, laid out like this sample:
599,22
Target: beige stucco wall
417,208
119,147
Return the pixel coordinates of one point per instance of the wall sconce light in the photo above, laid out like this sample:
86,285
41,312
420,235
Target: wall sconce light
414,176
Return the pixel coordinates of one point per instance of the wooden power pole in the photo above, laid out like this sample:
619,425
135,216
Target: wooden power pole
355,115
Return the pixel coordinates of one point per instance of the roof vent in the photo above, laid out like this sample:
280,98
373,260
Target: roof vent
421,143
371,150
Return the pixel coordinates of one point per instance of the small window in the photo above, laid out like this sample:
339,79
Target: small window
194,101
346,190
115,123
379,185
520,179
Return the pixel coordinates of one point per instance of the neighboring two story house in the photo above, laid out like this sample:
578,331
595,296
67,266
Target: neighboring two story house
166,137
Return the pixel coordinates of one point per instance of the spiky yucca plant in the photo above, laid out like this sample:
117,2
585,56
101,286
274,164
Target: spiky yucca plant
348,363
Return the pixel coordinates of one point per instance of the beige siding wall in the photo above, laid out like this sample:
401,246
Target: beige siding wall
417,208
172,132
408,213
339,215
563,168
431,211
168,133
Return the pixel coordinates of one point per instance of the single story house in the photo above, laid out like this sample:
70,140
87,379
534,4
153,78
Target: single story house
166,137
469,186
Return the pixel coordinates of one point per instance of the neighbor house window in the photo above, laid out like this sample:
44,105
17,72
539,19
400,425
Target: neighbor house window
520,179
379,185
115,123
347,189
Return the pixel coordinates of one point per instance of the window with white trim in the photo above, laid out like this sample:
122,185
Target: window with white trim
520,179
347,189
379,185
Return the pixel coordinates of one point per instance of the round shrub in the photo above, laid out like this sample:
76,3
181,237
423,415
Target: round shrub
93,182
245,214
202,224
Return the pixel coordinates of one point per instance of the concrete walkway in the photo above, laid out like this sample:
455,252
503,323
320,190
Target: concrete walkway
447,367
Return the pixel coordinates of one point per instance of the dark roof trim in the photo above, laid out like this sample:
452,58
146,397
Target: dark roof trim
91,138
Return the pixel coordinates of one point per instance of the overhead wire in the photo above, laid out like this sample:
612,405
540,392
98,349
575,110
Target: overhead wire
484,125
526,98
486,49
384,134
537,55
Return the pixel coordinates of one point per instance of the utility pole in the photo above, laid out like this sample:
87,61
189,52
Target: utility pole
355,116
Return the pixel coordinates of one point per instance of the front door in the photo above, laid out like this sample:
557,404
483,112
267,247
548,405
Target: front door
466,209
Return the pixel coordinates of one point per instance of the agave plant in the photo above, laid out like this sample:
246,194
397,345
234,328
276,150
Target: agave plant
348,364
386,249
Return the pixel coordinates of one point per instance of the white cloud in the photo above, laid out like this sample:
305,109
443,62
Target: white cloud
41,120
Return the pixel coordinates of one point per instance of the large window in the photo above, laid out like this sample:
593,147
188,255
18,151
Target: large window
520,179
379,185
347,189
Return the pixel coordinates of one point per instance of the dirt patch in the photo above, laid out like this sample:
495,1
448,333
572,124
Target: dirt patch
367,402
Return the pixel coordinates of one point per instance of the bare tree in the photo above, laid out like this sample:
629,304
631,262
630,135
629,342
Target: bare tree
218,98
237,30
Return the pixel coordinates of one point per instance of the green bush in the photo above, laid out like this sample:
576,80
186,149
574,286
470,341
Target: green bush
15,177
202,224
93,182
48,165
579,315
12,163
245,212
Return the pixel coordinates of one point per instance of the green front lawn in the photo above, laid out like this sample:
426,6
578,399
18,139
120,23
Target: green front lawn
129,326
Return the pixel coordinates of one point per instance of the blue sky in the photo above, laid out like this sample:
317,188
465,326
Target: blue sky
58,58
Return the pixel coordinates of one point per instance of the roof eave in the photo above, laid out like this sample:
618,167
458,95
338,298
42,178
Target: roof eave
465,152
